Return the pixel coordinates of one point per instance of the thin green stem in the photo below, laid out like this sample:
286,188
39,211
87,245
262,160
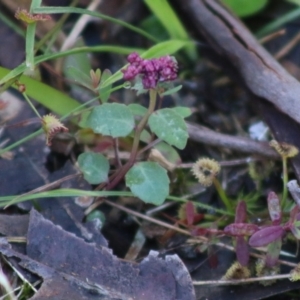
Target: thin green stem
222,195
202,205
31,105
285,181
21,141
136,141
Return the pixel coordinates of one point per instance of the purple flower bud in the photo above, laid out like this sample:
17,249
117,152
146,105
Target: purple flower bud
130,73
152,71
134,58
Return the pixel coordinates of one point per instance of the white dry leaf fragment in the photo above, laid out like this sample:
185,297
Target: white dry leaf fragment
294,189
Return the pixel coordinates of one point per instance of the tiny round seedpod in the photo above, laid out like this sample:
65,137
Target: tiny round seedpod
205,170
284,149
295,273
237,271
21,87
51,126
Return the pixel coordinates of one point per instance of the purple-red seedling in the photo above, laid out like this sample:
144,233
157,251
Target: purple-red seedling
266,235
240,230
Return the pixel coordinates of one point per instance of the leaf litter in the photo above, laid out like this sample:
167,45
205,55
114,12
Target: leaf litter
92,271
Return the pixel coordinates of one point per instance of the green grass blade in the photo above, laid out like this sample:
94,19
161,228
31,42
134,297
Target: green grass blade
168,18
46,95
277,23
62,104
75,10
106,48
10,200
29,48
8,76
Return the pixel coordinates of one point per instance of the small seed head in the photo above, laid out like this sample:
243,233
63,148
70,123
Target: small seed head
284,149
237,271
205,170
28,18
51,126
295,273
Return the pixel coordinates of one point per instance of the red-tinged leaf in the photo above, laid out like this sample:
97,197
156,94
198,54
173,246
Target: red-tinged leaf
242,251
241,212
190,213
294,213
241,229
266,236
199,231
212,257
274,208
198,218
273,253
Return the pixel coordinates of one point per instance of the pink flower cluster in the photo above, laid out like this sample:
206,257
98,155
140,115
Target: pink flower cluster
152,71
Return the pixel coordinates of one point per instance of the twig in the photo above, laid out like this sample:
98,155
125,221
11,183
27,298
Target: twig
79,26
288,47
242,144
272,36
242,281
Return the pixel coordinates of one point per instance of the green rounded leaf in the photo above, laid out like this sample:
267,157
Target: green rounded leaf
169,152
244,8
111,119
94,167
137,109
148,181
170,127
183,111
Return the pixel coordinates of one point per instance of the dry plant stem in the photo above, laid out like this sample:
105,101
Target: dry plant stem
288,47
224,163
196,239
207,136
16,239
134,151
149,146
46,187
285,181
116,152
79,26
272,36
242,281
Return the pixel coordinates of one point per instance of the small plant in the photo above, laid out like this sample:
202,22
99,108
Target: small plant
285,151
147,180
